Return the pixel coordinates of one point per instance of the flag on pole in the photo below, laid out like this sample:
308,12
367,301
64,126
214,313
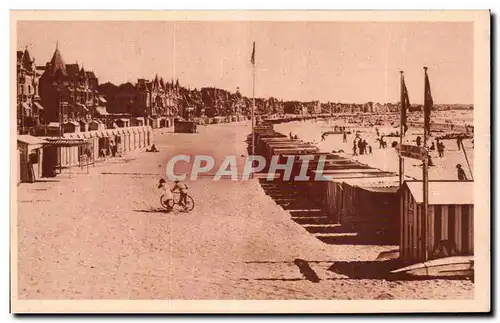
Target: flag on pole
253,54
405,105
428,102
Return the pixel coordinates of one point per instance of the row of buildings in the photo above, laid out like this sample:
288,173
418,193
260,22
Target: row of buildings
56,93
57,97
64,97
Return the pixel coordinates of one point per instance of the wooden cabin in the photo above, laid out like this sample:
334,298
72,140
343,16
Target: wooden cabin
181,126
71,126
366,200
450,220
30,157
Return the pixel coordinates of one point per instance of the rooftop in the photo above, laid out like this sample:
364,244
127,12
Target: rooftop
444,192
30,140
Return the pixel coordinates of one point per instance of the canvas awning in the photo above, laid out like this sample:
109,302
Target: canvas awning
30,140
66,142
82,106
38,106
102,111
102,134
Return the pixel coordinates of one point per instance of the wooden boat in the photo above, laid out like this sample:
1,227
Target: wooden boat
442,267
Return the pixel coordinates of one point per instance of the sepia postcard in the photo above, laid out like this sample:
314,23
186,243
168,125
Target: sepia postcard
250,161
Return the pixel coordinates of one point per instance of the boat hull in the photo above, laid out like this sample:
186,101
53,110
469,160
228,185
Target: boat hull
443,267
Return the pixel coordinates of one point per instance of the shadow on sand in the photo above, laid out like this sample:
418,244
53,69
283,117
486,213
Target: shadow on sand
45,181
367,269
153,210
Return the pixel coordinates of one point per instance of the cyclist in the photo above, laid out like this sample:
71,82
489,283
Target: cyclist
166,192
183,189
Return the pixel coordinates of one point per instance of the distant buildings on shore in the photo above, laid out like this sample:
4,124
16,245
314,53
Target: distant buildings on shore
57,93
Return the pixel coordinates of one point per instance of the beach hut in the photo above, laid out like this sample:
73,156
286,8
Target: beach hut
140,135
126,139
355,197
62,152
71,126
96,125
137,122
149,136
134,138
371,204
104,138
30,158
119,139
92,143
122,122
84,126
162,122
450,220
182,126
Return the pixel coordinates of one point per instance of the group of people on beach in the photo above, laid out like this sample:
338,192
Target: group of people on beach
360,145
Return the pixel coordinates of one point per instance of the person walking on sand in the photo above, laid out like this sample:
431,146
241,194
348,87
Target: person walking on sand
344,137
459,142
365,146
461,173
354,149
419,141
112,147
441,149
360,146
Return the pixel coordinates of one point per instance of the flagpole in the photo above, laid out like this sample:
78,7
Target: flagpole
467,160
425,175
253,102
253,111
401,161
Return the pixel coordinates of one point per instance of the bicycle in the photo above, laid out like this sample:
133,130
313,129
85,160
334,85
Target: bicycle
169,204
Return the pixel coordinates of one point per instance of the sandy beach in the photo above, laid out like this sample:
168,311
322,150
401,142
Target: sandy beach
104,235
385,159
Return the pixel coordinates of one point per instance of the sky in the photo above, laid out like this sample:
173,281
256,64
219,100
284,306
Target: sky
350,62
